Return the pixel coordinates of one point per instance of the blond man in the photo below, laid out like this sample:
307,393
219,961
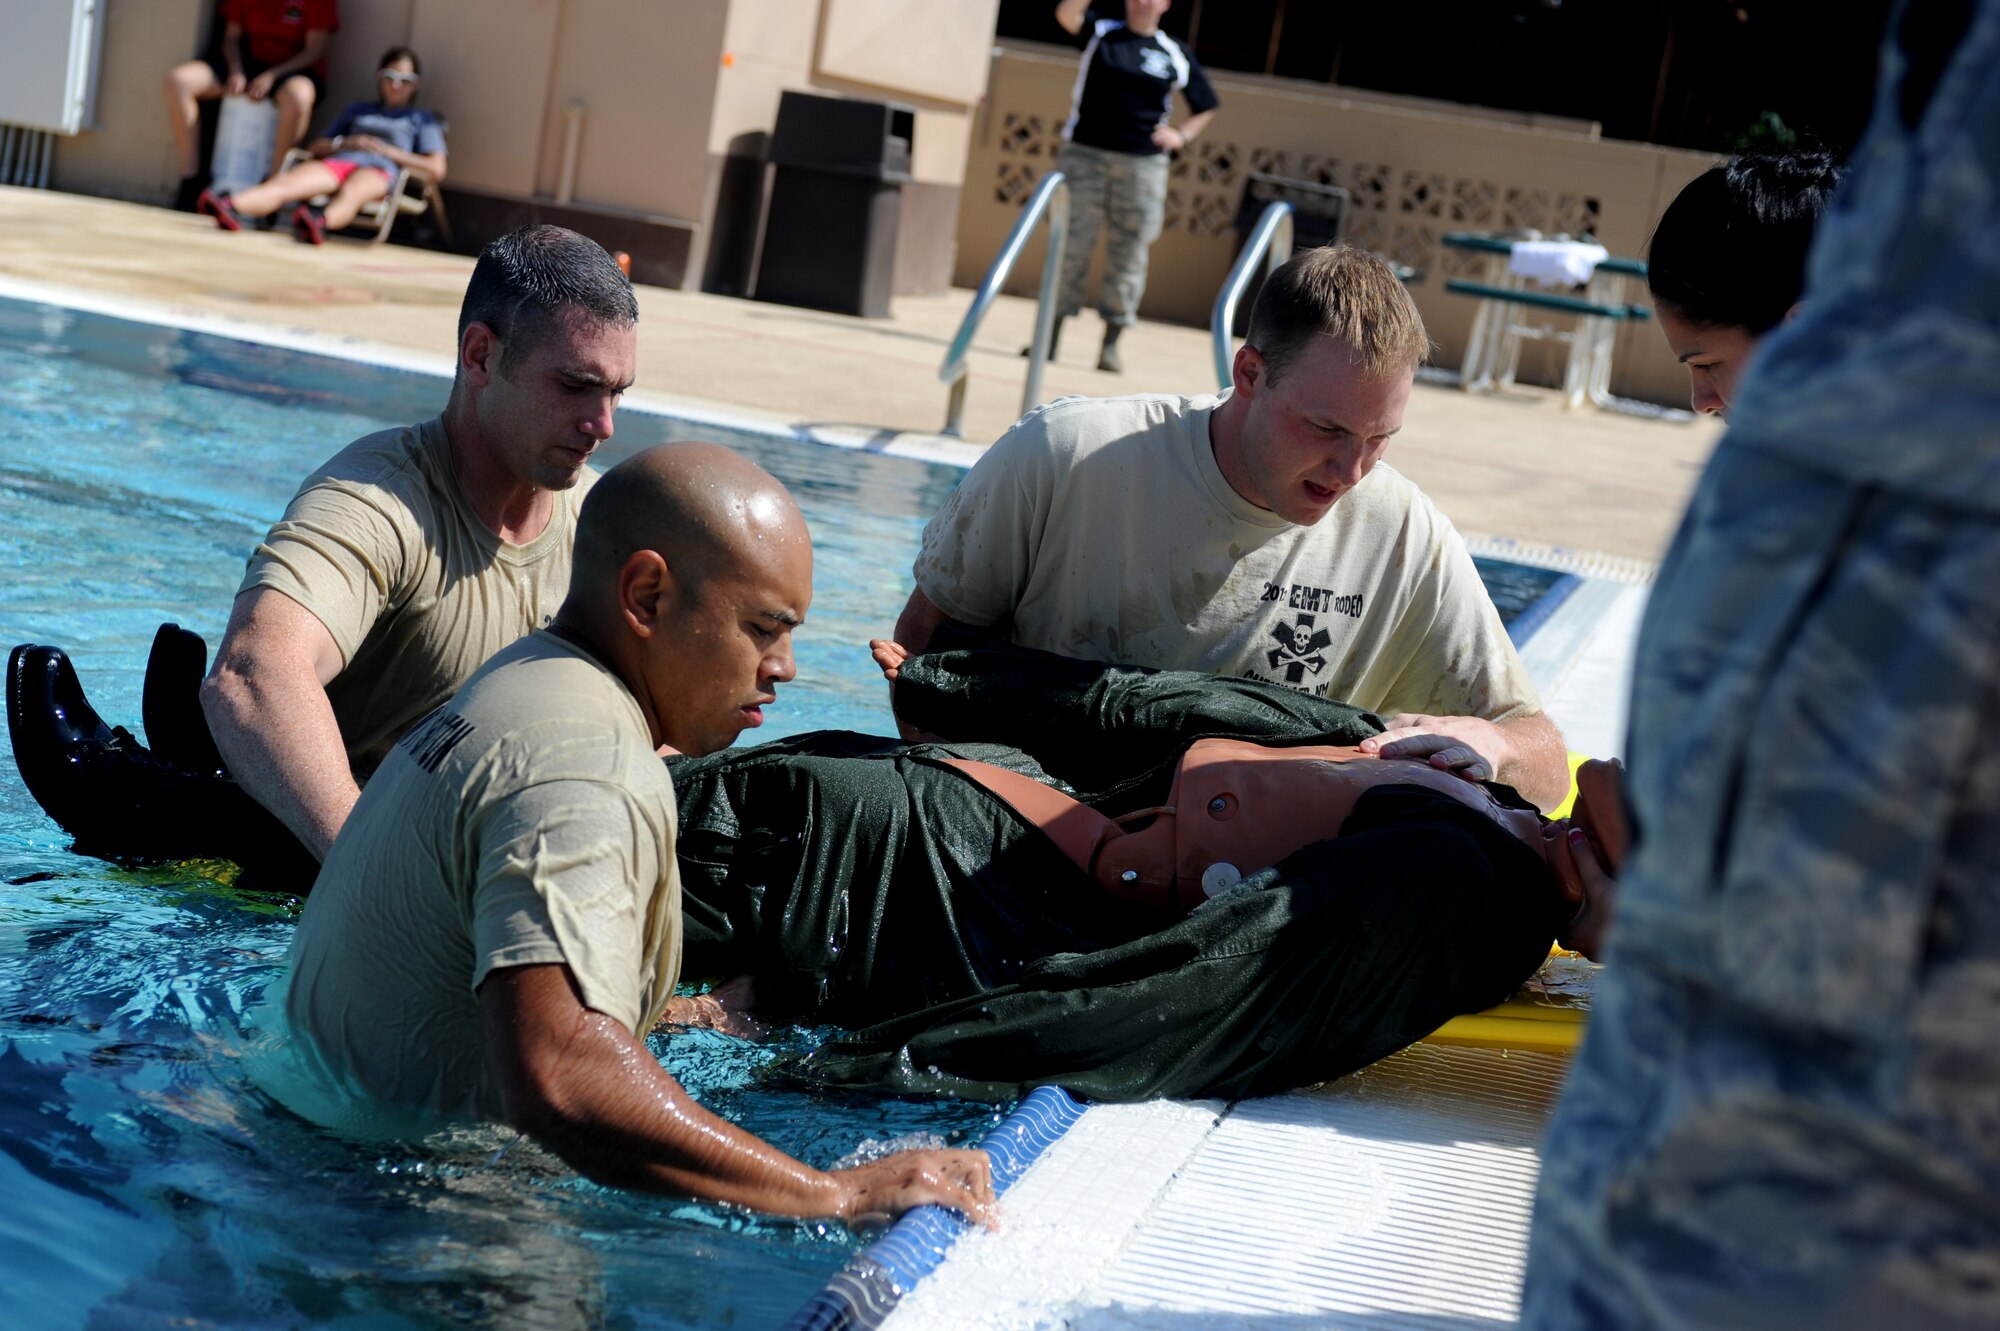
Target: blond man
1252,533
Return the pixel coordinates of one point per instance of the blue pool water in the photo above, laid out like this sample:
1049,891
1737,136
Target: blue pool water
146,1183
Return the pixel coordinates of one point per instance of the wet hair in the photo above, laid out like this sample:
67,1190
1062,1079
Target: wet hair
1730,251
1344,293
529,279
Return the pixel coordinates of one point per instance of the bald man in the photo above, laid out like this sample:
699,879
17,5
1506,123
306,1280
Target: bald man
499,920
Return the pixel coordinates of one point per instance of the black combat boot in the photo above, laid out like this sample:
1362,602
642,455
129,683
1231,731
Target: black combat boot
123,802
1107,356
1055,336
176,730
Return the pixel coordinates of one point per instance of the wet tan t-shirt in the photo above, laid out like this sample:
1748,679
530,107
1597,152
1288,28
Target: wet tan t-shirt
525,821
381,546
1103,529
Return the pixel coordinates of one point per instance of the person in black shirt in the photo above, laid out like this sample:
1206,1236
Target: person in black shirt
1115,153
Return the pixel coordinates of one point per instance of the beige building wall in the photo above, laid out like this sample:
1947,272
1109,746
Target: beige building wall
114,158
669,104
367,29
1415,170
931,57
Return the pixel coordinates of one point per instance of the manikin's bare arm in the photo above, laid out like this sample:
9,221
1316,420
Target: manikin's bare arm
578,1082
920,619
267,707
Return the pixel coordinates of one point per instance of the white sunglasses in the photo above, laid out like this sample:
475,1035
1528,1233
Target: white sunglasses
395,76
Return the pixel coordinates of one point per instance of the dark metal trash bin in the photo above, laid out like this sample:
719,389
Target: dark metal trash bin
836,193
1319,217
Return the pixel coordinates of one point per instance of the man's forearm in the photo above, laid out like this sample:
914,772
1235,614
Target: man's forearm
279,739
616,1116
1538,760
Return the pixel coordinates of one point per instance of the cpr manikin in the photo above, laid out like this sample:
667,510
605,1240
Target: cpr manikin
1234,808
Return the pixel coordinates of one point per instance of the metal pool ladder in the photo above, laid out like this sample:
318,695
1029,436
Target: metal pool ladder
1271,241
1051,197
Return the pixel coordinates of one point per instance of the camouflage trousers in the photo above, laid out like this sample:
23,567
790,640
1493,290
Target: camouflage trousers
1126,195
1787,1111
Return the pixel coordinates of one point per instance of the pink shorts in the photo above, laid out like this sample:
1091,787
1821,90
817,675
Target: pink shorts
342,169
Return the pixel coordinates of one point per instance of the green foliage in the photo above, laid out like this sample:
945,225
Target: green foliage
1768,133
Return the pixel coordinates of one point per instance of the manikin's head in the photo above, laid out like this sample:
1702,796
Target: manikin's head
1321,383
1727,263
693,565
547,344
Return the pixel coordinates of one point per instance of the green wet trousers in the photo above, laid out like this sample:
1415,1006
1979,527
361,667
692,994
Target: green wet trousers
867,884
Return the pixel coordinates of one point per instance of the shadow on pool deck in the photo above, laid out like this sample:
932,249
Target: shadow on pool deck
1515,466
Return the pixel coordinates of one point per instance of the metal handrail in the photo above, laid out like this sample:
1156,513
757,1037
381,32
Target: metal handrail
1270,240
1051,197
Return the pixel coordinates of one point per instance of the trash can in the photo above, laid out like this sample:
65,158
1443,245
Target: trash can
836,192
1319,217
246,139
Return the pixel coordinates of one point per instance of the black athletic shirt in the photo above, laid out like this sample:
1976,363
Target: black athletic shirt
1125,86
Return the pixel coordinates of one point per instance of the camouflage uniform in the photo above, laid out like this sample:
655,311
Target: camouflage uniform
1787,1113
1127,192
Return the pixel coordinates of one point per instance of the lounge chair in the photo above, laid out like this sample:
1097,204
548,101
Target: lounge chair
411,194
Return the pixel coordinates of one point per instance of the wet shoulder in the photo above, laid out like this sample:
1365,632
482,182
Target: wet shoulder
402,459
553,706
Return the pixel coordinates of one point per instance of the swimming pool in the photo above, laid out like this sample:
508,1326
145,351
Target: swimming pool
146,1180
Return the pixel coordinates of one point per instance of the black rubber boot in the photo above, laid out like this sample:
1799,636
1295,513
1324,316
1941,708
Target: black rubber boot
176,730
52,726
122,802
1107,357
1055,336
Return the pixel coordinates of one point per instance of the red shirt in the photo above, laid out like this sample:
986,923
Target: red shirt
275,30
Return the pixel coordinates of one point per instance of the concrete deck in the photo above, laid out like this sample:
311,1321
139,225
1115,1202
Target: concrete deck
1509,466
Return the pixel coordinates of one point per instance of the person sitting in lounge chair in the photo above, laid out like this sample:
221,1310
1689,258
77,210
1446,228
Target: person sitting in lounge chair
355,162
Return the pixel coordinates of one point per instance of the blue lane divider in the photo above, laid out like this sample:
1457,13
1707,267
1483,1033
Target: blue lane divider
862,1293
1523,626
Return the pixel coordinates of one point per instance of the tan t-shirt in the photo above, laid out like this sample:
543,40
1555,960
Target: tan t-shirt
382,547
1103,529
525,821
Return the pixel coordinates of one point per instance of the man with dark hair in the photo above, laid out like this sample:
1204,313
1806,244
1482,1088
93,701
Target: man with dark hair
403,563
1252,533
